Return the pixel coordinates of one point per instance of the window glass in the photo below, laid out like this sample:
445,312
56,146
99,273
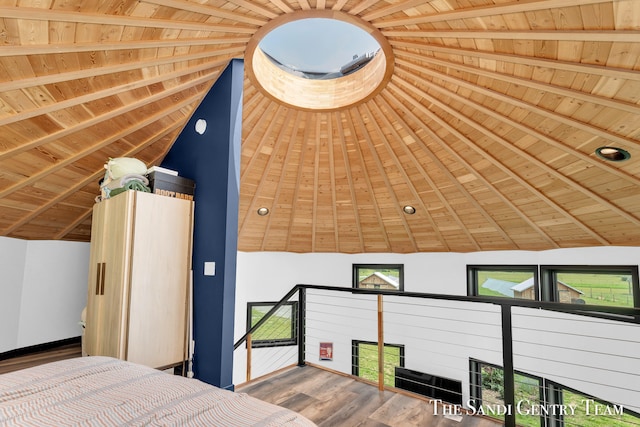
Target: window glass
389,277
278,330
592,413
365,361
610,286
534,407
504,282
488,395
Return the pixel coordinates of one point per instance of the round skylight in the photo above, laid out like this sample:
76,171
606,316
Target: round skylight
319,47
319,60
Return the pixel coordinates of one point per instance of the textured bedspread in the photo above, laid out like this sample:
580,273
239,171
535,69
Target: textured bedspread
101,391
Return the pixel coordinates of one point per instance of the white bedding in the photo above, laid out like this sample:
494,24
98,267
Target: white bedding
101,391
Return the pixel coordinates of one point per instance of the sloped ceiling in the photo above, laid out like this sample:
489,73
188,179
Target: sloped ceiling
488,124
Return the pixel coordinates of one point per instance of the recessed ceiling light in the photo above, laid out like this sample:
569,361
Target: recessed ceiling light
613,154
409,210
263,211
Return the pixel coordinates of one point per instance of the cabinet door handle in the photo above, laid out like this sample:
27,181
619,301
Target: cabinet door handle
98,278
104,267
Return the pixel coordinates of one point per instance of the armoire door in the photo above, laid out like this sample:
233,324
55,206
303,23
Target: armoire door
161,254
108,277
93,323
117,236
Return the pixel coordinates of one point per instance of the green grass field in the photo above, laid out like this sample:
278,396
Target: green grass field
276,327
601,289
598,289
368,363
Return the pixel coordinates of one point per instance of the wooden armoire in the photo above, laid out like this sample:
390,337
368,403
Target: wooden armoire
137,307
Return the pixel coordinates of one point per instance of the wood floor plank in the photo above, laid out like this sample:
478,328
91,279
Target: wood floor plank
38,358
299,402
366,401
330,399
404,410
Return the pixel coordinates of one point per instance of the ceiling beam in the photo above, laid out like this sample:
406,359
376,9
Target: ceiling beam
425,175
351,116
88,180
502,57
621,105
521,6
608,167
398,82
51,15
603,133
602,36
227,55
105,93
381,171
459,159
349,175
110,139
80,219
525,155
280,186
205,9
48,49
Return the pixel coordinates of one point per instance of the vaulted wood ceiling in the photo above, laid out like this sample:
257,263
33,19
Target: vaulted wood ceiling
488,124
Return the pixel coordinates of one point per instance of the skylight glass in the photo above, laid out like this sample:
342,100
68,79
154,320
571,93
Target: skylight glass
319,48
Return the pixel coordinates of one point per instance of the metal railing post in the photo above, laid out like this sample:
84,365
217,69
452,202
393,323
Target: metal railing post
302,295
249,345
507,364
380,344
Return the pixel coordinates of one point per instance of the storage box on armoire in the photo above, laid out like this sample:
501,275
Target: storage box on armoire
171,186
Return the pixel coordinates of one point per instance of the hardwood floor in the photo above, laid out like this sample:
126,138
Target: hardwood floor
61,352
330,399
326,398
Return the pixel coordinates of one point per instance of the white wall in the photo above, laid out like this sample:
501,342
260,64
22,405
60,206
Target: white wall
265,276
44,289
12,262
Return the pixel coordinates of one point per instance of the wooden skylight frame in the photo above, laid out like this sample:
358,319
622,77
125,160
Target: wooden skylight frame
319,95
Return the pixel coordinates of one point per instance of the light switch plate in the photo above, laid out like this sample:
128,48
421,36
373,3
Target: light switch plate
209,268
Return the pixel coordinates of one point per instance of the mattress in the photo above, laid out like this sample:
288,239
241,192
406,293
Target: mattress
102,391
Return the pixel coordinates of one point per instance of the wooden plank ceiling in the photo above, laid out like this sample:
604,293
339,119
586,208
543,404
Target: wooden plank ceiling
487,126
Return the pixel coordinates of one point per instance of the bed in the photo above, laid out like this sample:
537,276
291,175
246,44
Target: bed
102,391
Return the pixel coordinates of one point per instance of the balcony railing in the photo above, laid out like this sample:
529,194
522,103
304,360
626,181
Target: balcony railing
526,362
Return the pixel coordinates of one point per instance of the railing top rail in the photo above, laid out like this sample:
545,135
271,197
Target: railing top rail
622,314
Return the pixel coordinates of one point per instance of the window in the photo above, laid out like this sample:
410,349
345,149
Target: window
364,356
388,277
588,411
279,330
605,285
507,281
487,394
540,402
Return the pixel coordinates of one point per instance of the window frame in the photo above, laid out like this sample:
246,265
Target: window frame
550,392
548,278
472,277
556,391
276,342
357,267
355,354
476,388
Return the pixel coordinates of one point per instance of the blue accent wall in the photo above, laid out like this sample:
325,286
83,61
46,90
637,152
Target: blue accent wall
212,160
